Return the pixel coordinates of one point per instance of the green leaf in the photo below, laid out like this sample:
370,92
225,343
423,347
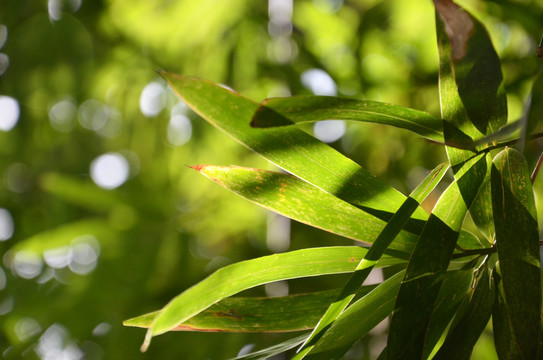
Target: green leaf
468,327
290,148
504,339
429,262
240,314
296,199
517,240
470,80
299,109
237,277
383,241
480,210
274,350
453,291
356,321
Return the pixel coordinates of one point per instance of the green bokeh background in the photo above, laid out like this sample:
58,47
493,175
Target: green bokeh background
167,227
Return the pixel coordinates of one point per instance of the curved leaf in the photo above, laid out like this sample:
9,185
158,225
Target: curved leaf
240,314
297,109
301,201
289,148
470,79
383,241
468,327
517,240
237,277
429,262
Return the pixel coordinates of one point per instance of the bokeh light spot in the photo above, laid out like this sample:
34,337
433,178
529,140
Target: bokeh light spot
85,251
26,327
55,343
152,99
179,130
329,130
110,170
27,264
62,115
319,82
3,35
4,63
6,225
9,113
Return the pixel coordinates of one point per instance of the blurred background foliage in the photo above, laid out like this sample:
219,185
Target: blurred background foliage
100,219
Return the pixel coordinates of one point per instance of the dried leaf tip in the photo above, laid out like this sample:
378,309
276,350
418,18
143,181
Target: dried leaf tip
198,167
458,26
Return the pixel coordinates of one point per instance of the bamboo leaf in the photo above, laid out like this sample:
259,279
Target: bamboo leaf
237,277
517,240
290,148
356,321
470,80
298,200
468,327
240,314
429,262
298,109
453,291
383,241
504,340
274,350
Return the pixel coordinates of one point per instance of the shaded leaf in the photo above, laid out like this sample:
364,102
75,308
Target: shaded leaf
383,241
301,201
453,291
468,327
274,350
517,240
470,80
429,262
297,109
237,277
356,321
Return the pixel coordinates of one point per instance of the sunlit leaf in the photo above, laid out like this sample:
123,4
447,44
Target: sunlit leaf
243,275
296,199
429,262
517,240
289,148
379,247
297,109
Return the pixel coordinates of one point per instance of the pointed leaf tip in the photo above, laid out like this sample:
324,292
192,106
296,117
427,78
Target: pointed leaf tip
197,167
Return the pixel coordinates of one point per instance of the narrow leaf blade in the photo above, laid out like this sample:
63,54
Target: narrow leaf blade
289,148
299,109
517,240
301,201
237,277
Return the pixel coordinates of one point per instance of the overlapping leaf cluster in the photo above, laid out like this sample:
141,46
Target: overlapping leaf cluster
453,281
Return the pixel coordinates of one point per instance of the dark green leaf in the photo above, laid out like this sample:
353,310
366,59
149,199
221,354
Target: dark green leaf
382,242
472,98
356,321
297,109
274,350
467,329
517,240
429,262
